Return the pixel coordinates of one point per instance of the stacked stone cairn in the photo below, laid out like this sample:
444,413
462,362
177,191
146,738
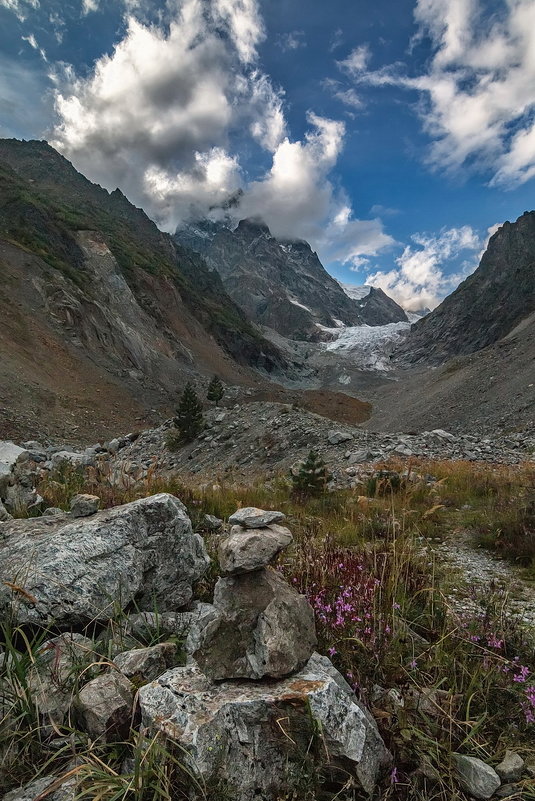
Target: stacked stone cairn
258,711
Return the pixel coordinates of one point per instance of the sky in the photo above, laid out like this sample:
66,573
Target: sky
394,136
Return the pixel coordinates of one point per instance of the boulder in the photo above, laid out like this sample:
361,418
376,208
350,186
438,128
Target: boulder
258,626
475,776
147,626
71,572
245,550
251,517
83,505
66,459
337,437
9,455
256,738
146,664
53,675
212,523
511,767
105,707
53,788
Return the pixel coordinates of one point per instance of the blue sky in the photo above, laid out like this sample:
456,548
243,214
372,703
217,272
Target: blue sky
390,135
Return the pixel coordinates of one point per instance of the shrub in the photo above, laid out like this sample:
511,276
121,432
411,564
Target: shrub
311,478
189,417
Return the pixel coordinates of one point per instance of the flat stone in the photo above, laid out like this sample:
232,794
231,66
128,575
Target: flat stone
251,737
337,437
258,626
245,550
251,517
475,776
84,505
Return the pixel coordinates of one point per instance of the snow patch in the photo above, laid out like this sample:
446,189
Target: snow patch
356,292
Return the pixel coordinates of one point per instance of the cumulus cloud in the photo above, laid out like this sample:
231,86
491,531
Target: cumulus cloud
90,5
174,112
420,280
478,91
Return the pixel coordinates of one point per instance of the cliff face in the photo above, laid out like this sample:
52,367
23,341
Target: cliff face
487,305
282,284
104,317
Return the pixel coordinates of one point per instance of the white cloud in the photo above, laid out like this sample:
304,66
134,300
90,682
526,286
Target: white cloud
420,280
356,62
166,113
32,41
293,40
478,90
90,5
19,7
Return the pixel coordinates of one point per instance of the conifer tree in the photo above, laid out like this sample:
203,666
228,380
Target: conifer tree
311,478
216,390
189,417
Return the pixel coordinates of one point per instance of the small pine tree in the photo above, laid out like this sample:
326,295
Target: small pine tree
189,417
311,478
216,390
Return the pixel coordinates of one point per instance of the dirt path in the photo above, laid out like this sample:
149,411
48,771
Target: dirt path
482,571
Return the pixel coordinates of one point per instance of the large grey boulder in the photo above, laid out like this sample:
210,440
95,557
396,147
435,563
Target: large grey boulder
75,571
256,738
245,550
251,517
258,626
475,776
84,505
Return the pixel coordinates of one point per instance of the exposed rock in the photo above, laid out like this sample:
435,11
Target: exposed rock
51,679
258,626
252,737
43,787
511,791
144,551
66,459
4,514
84,505
105,705
337,437
475,776
511,767
52,511
245,550
146,664
212,523
250,517
9,454
151,625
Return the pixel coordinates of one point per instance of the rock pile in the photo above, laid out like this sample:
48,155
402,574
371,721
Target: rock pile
250,705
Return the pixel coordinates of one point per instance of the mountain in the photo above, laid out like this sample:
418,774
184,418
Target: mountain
281,284
378,308
487,305
100,309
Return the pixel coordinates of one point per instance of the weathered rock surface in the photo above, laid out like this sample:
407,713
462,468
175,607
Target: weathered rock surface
254,736
84,505
475,776
44,788
4,514
104,707
9,454
245,550
258,626
511,767
251,517
73,571
146,664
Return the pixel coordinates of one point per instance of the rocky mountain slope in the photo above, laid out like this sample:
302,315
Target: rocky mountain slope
282,284
487,305
103,315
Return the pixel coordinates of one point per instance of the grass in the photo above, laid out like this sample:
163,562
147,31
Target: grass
438,679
